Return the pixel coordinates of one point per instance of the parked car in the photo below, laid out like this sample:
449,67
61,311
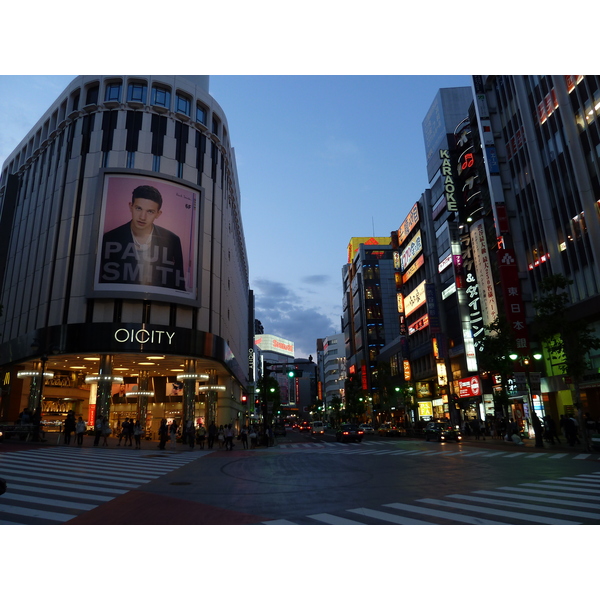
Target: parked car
349,433
317,428
442,431
366,428
388,430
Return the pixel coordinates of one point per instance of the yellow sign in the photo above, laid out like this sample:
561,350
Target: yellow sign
355,242
425,409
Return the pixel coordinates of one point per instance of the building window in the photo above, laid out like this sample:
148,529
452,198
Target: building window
136,92
113,92
215,126
91,96
130,160
201,114
183,105
156,163
161,97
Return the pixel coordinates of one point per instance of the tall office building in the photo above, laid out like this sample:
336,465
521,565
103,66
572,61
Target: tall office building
331,360
541,137
123,267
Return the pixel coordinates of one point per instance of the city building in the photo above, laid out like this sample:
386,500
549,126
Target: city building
331,361
370,315
123,267
541,136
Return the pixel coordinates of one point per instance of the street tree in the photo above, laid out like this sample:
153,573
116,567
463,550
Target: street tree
355,397
567,340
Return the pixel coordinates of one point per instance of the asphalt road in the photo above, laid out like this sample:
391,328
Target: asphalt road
302,481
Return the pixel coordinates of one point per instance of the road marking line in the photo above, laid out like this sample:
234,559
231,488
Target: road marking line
581,456
279,522
557,455
545,509
46,501
541,499
388,517
500,513
333,520
38,514
422,510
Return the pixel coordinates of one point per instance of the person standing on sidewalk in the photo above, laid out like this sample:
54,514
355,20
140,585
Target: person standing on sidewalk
212,434
69,427
201,436
229,433
80,429
137,434
190,431
98,430
163,434
538,430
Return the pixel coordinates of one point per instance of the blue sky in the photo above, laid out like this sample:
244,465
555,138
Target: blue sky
320,159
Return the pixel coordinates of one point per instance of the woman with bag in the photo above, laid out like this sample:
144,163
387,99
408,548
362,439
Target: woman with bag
137,434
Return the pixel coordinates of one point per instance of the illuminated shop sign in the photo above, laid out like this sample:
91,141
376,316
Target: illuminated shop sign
406,369
449,187
483,268
451,289
413,268
445,263
408,224
419,324
410,252
143,336
472,292
355,242
396,258
469,387
415,299
273,343
547,106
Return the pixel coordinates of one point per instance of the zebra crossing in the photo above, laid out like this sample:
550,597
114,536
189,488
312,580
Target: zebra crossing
374,448
563,501
54,485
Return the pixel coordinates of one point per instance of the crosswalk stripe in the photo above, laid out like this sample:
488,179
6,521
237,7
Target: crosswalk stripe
559,455
583,481
581,456
532,488
534,455
432,512
579,487
388,517
547,500
500,513
333,520
48,501
279,522
69,482
546,509
513,455
70,492
35,513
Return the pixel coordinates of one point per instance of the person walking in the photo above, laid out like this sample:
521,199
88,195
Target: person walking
137,434
201,436
124,431
190,433
80,429
221,437
98,429
538,430
69,427
163,434
212,434
173,434
244,438
229,433
551,433
571,429
253,435
106,431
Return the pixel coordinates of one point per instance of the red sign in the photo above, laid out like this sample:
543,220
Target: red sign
468,387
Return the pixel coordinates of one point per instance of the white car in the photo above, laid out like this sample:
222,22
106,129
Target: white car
317,428
366,428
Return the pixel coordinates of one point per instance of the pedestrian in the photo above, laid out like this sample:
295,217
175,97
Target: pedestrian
551,429
513,433
563,425
253,435
173,434
191,433
98,429
475,425
163,434
538,430
201,436
571,429
69,426
137,434
124,432
229,433
80,429
106,431
212,434
244,438
221,437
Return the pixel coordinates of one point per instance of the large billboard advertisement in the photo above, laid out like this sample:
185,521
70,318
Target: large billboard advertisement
148,237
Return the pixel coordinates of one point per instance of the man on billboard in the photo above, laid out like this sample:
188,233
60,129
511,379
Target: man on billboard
140,252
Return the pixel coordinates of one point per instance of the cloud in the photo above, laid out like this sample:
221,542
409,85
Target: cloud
283,313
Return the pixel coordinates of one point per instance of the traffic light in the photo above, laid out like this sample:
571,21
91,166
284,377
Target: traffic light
244,400
294,373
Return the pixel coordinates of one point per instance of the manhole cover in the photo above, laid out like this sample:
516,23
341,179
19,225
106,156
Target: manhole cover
180,482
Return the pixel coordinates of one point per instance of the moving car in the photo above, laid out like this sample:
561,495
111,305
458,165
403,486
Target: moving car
304,426
388,430
317,428
279,429
349,433
442,431
366,428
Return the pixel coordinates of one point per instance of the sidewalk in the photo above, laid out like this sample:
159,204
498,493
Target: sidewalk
528,445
